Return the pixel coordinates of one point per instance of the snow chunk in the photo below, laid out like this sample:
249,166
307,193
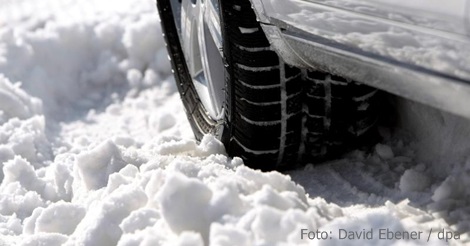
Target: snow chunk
450,188
228,235
162,121
142,41
95,166
267,196
22,172
267,224
134,77
245,30
100,226
384,151
10,225
189,239
44,239
60,218
30,222
413,180
139,220
26,138
209,146
14,199
185,203
15,102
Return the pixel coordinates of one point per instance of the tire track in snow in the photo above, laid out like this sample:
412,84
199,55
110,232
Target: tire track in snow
371,182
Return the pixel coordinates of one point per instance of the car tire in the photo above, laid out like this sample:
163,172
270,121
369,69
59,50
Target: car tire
275,116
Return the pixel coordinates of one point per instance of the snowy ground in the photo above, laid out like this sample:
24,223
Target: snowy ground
95,149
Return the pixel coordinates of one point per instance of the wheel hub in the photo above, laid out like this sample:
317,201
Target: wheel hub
199,29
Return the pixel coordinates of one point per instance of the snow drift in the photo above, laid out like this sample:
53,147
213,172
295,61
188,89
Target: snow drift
95,149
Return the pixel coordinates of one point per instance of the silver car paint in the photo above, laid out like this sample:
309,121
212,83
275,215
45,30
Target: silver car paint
418,49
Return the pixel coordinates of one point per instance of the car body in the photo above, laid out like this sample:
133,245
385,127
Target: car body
417,49
291,82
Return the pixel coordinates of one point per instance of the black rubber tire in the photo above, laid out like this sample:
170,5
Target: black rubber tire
276,116
339,115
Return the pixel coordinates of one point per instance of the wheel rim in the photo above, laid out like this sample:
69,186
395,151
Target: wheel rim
199,31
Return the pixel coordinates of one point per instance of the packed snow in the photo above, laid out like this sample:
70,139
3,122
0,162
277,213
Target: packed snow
95,149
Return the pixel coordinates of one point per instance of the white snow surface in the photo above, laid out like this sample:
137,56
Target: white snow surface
95,149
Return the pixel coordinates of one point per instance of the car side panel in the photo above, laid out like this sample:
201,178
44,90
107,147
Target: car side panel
429,48
425,63
449,16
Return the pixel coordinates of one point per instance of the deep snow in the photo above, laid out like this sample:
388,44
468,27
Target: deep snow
95,149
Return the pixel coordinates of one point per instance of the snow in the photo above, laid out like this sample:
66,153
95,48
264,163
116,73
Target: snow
95,149
248,30
413,180
384,151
